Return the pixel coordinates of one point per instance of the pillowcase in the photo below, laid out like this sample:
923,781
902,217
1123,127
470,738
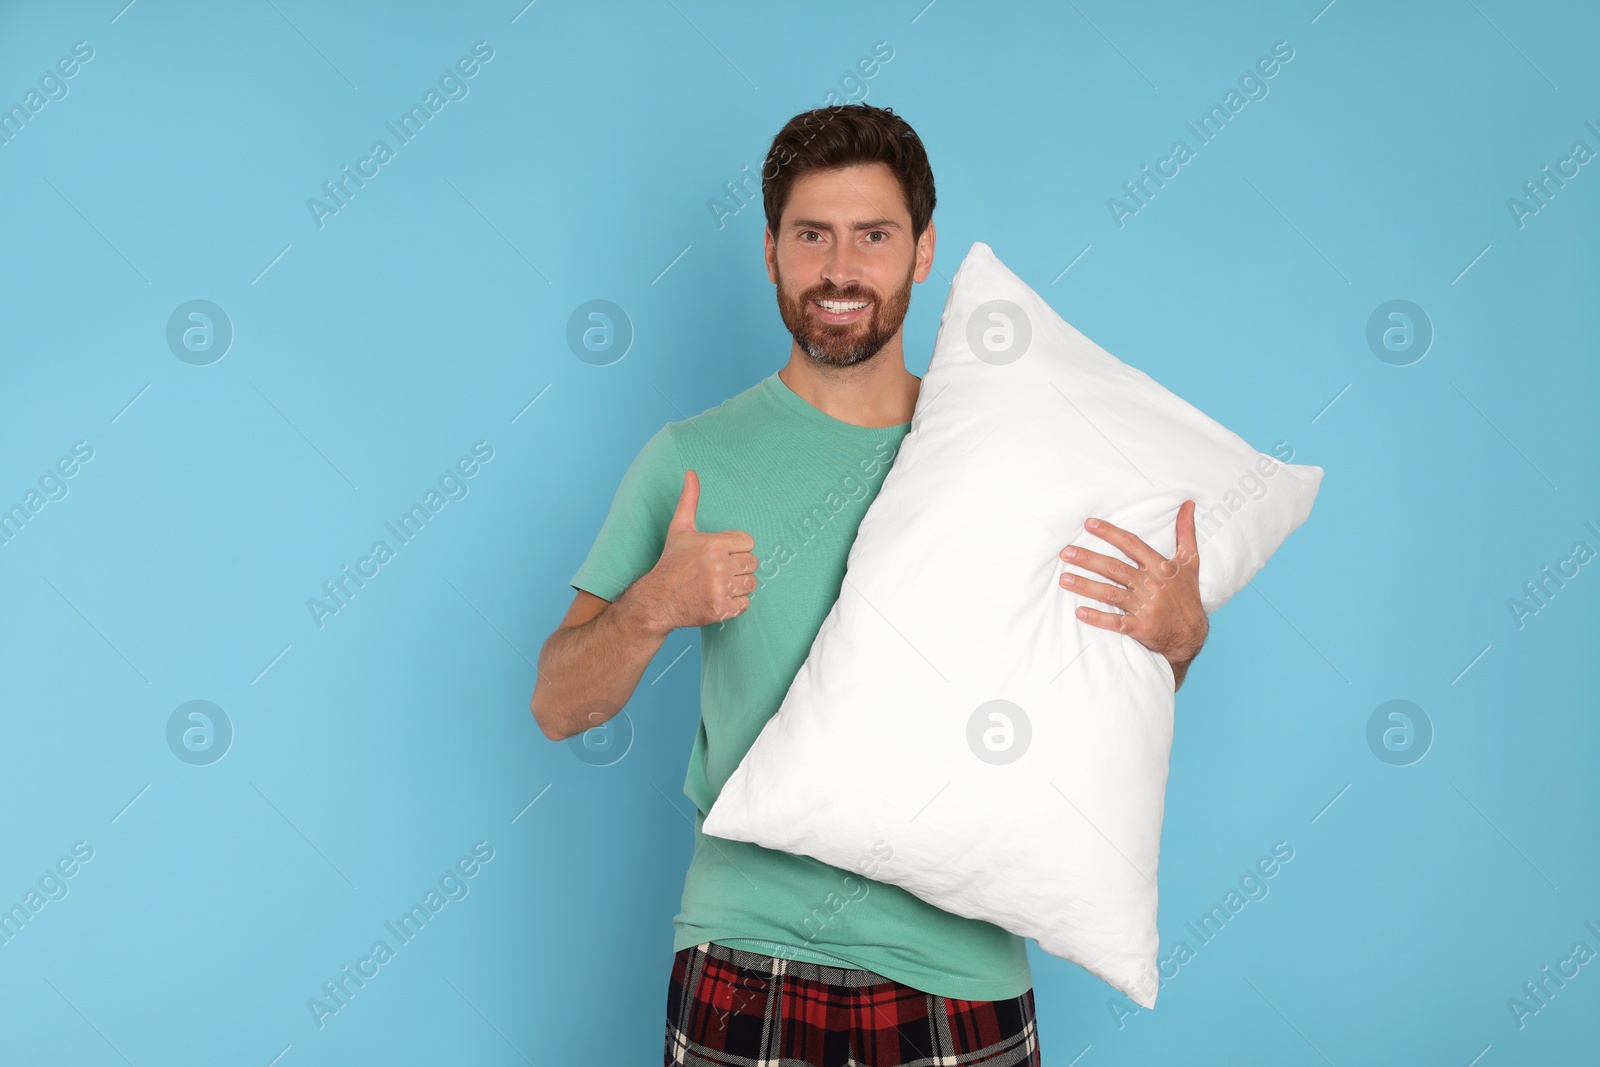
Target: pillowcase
952,705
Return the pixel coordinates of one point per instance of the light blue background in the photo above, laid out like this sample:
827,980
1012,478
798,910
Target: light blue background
431,312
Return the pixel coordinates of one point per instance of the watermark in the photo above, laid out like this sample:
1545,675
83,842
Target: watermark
52,487
855,891
801,530
1542,189
811,925
599,333
745,190
1210,517
453,885
52,89
452,485
810,524
1399,733
1538,592
1540,991
52,886
453,86
199,733
199,332
998,732
1252,886
608,740
1399,332
1249,487
999,332
1140,191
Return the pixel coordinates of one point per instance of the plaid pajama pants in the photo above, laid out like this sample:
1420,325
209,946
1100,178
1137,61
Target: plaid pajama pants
727,1007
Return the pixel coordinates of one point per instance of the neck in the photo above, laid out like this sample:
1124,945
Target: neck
874,394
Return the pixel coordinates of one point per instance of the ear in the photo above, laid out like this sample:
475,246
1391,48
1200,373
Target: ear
925,245
771,253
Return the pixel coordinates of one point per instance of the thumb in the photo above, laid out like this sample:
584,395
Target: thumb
688,501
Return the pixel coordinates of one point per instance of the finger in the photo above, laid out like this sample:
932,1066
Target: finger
1106,594
1188,548
688,501
1100,563
733,607
1131,544
744,562
1105,620
737,541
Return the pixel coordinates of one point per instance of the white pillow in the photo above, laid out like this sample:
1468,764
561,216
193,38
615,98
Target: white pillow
952,705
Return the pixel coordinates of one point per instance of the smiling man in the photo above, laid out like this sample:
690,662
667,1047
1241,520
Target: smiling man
779,957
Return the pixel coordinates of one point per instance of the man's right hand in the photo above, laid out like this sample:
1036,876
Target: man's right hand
702,577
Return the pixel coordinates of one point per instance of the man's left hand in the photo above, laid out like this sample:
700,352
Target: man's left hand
1159,597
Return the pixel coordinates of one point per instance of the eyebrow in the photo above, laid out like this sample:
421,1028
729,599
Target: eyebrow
870,224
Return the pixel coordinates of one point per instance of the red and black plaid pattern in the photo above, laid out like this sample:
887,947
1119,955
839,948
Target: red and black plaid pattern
727,1007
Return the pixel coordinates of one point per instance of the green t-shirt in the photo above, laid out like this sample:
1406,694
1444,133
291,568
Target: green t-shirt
798,481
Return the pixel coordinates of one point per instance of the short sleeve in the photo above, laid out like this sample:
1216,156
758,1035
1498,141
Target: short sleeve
635,529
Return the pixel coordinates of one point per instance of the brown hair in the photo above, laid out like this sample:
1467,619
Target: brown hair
832,137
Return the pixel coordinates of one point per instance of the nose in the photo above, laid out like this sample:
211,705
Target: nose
842,269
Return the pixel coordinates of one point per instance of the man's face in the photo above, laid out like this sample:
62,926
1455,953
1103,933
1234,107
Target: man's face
846,243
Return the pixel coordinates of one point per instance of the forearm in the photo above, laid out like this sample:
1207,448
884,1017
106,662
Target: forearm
1178,671
586,673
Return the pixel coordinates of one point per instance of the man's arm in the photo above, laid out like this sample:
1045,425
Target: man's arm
1180,671
589,668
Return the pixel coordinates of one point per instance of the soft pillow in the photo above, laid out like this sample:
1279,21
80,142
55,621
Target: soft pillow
953,706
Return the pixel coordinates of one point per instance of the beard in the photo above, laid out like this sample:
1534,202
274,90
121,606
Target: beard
847,344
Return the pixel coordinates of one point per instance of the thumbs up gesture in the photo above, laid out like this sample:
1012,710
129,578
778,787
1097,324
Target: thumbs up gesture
702,577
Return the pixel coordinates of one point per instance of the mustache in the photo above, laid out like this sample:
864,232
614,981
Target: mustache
841,294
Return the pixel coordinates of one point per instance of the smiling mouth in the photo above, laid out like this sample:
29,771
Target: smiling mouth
839,312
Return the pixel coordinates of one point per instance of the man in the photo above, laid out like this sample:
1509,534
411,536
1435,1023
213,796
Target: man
778,955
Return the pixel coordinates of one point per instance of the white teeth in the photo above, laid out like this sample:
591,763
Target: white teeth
837,307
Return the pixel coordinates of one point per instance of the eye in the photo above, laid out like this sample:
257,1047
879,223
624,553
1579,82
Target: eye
879,233
805,233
